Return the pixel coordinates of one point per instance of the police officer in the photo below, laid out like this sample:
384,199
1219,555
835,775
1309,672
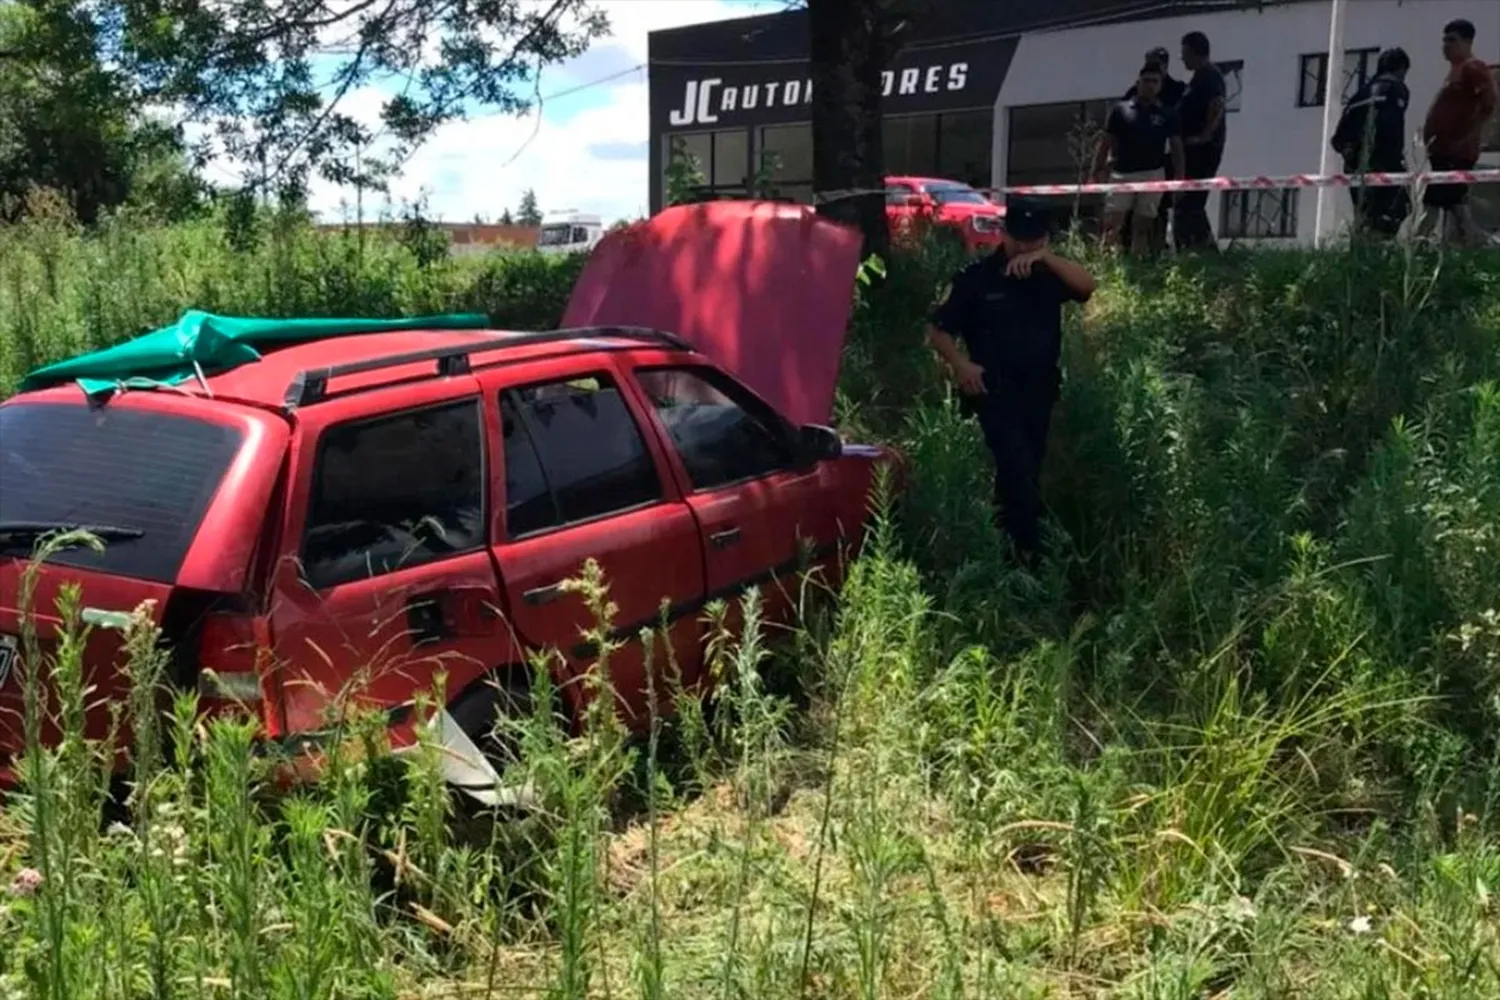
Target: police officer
1006,308
1371,136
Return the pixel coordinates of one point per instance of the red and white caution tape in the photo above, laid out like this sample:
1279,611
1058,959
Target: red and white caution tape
1248,183
1373,179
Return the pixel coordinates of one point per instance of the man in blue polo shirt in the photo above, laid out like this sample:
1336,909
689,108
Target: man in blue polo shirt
1139,132
1172,90
1006,307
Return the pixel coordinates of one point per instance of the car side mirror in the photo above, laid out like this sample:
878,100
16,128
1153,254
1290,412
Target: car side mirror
816,443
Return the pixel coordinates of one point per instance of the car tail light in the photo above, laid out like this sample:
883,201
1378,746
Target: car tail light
233,657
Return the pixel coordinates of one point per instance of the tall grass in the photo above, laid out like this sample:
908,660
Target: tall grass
1236,739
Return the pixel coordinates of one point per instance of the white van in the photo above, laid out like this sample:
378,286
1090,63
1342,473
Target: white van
570,232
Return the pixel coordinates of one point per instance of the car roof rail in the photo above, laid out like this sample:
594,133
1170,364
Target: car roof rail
311,385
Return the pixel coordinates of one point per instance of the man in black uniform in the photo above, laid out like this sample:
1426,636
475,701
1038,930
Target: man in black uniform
1371,136
1006,307
1172,90
1204,134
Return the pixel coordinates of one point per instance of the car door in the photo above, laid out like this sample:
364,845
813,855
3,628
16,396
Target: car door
764,517
582,478
385,578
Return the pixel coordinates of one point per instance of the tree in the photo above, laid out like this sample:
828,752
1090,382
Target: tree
529,214
506,219
271,78
851,44
64,126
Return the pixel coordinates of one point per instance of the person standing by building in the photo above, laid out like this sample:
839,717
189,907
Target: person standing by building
1371,136
1139,133
1204,134
1454,129
1172,90
1006,308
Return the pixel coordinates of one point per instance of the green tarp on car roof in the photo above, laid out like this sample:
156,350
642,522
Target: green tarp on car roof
213,344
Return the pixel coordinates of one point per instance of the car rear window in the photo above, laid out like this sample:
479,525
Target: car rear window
144,471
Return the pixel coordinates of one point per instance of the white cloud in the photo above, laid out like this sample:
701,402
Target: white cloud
591,160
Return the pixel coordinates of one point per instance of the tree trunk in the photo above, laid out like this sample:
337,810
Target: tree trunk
849,53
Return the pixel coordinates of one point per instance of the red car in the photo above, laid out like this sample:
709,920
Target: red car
345,516
915,204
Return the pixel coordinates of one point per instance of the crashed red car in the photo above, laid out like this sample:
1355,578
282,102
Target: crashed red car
336,520
915,206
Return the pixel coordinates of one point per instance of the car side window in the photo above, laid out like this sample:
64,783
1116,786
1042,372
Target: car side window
394,492
723,434
573,452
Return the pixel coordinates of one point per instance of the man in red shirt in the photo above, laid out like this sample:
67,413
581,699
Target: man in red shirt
1455,127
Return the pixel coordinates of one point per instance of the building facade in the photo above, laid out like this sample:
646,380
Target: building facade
996,93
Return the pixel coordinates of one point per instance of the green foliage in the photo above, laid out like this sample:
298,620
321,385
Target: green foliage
270,79
684,174
1237,738
68,124
529,213
62,292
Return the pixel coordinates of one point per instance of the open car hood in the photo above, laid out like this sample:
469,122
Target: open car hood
762,288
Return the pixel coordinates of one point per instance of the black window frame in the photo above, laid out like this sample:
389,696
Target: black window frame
481,544
758,157
1314,66
1089,118
1290,213
615,381
709,188
1368,57
741,396
1232,99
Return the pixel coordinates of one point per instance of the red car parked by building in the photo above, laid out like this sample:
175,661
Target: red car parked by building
915,205
342,517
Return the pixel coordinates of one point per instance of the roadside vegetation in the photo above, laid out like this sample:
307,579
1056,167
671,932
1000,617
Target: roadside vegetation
1238,740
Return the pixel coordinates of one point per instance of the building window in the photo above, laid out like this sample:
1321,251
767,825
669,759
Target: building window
716,164
965,149
1234,83
1259,214
1358,70
911,144
786,158
1054,144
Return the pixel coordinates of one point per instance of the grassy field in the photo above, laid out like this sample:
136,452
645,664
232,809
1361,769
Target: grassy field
1238,739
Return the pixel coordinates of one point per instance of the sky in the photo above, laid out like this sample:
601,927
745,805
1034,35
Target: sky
587,152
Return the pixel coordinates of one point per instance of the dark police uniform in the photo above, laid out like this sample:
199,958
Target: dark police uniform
1371,135
1012,328
1190,226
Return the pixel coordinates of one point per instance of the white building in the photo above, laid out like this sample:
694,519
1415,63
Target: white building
990,95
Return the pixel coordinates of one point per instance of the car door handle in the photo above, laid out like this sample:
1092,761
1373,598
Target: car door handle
542,595
724,539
